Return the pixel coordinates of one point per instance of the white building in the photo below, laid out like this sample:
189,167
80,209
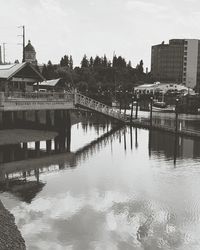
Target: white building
163,88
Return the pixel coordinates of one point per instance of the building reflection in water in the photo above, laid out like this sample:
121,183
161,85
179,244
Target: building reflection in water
23,163
173,146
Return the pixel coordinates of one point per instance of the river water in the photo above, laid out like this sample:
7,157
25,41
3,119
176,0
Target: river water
131,189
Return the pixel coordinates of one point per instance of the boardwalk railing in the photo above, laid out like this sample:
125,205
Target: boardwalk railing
86,102
182,130
38,96
16,101
12,101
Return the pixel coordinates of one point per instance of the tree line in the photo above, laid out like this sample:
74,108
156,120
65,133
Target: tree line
98,76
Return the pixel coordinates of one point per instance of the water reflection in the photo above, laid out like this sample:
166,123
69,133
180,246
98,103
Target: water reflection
90,198
51,155
173,146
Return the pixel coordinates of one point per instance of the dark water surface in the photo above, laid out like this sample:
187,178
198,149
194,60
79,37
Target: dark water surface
129,190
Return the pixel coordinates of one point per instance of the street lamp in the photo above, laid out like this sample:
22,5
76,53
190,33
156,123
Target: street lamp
176,113
151,111
132,100
137,100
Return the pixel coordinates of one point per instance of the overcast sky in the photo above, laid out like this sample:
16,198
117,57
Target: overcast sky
96,27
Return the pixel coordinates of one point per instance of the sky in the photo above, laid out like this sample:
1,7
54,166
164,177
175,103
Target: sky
96,27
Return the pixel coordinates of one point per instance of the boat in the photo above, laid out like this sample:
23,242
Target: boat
162,107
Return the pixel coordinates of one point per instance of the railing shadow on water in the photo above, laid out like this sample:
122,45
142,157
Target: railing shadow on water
35,161
16,174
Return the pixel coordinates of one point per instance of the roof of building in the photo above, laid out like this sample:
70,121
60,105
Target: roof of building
9,70
49,83
29,47
148,85
163,87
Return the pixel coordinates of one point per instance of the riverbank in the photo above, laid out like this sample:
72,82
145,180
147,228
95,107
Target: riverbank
10,236
180,131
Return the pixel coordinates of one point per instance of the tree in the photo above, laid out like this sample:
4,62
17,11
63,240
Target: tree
129,65
50,71
45,72
104,61
84,62
91,63
70,62
64,62
139,67
97,61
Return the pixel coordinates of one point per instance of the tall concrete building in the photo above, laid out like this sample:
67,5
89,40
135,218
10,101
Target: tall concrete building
178,61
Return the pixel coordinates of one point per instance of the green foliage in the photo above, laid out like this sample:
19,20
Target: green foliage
99,76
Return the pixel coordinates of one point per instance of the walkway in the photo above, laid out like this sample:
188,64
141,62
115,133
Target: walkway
145,123
55,101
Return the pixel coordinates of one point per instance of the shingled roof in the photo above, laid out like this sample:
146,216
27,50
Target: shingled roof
9,70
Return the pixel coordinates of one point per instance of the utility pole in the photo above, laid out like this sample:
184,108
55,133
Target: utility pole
4,53
23,44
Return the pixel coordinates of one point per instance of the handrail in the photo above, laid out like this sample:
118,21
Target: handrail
98,106
146,122
76,98
36,95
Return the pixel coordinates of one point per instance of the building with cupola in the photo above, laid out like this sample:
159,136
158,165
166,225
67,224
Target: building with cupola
30,53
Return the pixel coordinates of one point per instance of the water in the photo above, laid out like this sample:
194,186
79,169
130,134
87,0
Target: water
129,190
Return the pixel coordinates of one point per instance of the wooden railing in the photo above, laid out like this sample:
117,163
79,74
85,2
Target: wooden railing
16,101
182,130
89,103
53,100
38,96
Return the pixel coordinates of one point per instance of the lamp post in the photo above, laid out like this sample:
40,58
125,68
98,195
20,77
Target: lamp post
137,100
132,100
176,113
151,111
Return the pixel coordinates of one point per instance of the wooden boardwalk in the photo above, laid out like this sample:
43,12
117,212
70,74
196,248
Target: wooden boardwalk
145,123
55,101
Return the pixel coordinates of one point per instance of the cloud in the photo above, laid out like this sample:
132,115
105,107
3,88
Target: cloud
147,7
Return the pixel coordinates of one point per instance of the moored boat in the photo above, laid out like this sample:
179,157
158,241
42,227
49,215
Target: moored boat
162,107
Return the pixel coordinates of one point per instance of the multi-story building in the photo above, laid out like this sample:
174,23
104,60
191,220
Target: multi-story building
178,62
